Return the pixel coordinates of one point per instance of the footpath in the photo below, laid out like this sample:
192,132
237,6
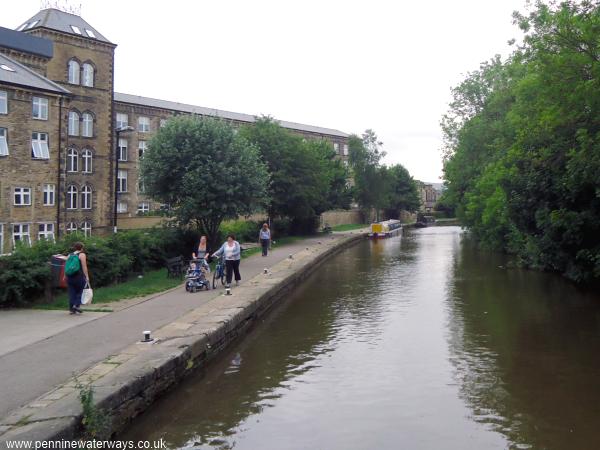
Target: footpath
38,389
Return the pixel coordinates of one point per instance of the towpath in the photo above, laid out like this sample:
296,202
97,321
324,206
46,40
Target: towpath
28,371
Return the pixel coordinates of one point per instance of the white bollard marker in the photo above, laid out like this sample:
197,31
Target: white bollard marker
228,291
147,337
265,270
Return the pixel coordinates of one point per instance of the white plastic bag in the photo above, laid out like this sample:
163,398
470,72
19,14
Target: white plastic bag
87,295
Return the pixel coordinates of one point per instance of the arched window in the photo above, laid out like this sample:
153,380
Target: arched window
86,227
73,123
72,160
71,227
88,75
73,72
86,161
87,129
86,197
72,197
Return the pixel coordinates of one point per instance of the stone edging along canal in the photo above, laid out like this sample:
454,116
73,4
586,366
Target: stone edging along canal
127,383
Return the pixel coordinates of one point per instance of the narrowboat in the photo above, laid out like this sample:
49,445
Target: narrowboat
385,229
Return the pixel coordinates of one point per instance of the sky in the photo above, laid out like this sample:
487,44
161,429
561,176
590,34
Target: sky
348,65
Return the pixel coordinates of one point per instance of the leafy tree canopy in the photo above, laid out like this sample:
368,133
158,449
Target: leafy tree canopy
205,171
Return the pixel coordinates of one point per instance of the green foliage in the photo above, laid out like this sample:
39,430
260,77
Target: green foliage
244,230
95,421
25,273
206,172
306,178
523,144
377,186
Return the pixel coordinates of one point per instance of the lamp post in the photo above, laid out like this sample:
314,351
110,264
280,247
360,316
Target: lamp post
117,157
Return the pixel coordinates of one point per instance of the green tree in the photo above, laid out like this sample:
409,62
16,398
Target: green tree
401,191
523,144
206,172
306,179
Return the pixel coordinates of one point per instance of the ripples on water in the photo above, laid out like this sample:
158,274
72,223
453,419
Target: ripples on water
416,343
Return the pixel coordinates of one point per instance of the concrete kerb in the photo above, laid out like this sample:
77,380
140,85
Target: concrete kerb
125,384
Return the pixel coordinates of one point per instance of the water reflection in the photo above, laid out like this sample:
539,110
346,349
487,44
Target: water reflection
525,346
271,360
418,343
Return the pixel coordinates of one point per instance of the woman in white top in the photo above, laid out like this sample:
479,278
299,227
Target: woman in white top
232,252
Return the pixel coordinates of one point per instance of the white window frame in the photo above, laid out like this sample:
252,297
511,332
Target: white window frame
336,147
39,108
71,228
73,128
163,122
3,102
86,227
86,197
87,124
49,196
120,123
39,147
46,231
87,157
74,72
122,181
72,160
23,194
345,149
123,144
3,141
76,29
23,233
143,207
121,207
71,193
87,72
143,124
142,147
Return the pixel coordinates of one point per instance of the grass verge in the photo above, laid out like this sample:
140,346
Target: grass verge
151,283
349,227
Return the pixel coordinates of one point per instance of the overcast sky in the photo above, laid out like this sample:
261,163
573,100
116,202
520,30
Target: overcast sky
349,65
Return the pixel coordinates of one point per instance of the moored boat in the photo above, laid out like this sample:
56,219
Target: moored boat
385,229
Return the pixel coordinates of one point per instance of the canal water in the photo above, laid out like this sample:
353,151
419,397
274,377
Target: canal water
418,342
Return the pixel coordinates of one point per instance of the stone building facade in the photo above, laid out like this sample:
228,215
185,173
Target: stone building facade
58,142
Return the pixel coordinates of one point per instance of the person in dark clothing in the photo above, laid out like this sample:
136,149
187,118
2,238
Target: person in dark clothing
77,281
264,238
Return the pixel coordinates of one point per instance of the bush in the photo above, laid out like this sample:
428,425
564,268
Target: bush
244,230
113,258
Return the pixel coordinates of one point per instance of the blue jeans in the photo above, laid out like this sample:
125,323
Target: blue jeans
75,285
265,246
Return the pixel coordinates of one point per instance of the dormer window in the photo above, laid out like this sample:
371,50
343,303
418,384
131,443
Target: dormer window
75,29
90,33
32,24
22,27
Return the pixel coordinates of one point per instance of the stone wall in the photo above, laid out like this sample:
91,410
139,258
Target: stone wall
341,217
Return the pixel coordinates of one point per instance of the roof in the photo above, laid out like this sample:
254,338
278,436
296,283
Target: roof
12,72
65,22
192,109
26,43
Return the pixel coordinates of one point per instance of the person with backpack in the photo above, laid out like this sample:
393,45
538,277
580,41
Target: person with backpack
78,277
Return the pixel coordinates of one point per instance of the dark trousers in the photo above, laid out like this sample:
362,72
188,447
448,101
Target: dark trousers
75,285
265,246
232,266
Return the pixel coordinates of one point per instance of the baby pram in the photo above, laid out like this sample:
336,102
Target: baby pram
196,276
